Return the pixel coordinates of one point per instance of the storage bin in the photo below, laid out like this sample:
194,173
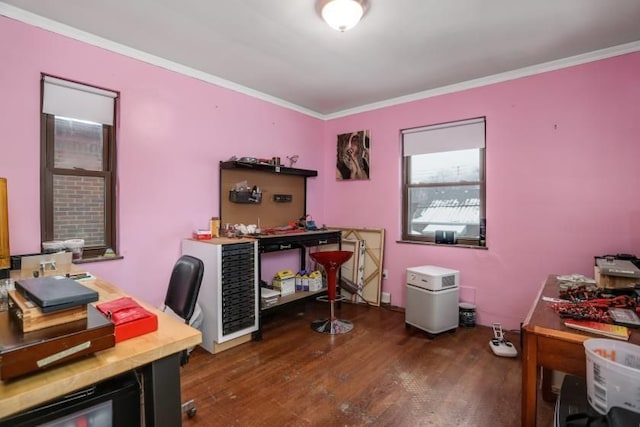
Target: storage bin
613,374
467,314
53,247
245,197
75,246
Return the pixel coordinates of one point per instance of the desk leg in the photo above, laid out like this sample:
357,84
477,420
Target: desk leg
529,379
162,406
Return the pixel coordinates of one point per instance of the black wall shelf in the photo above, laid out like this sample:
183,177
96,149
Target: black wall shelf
267,168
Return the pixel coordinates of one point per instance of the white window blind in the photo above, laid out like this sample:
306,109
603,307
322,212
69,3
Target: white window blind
78,101
462,135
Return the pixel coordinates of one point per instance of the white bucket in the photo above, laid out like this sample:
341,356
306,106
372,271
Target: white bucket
613,374
75,247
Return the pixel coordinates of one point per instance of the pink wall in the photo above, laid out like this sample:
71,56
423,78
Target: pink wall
563,181
173,132
562,168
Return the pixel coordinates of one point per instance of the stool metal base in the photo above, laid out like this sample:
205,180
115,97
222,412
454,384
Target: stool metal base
325,298
332,327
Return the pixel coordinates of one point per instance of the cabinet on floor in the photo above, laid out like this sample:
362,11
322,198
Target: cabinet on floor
229,291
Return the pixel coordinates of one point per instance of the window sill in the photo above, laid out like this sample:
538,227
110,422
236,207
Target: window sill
100,258
446,245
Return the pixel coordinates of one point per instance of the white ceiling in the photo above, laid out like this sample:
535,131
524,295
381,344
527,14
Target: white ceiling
281,50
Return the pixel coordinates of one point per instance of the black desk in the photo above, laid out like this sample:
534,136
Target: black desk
293,241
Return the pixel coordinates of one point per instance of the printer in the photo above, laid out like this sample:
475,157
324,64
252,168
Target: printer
617,271
618,267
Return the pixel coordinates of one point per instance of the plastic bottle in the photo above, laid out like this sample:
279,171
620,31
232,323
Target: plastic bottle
214,227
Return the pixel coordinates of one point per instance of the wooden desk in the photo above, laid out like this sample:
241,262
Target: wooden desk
156,355
547,343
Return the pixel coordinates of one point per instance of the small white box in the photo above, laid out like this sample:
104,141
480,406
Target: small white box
298,282
315,281
285,286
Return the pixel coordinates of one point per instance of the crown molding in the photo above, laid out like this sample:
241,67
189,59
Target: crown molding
76,34
83,36
496,78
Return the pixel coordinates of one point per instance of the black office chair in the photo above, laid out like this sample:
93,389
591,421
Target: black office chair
181,298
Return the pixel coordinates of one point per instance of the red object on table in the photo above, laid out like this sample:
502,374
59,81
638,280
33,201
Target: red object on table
129,317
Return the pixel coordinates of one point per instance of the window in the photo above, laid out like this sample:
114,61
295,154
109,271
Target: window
444,183
78,153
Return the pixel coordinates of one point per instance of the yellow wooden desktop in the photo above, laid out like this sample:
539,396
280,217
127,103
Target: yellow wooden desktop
155,355
550,345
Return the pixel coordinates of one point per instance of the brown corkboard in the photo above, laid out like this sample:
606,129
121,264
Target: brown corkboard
269,212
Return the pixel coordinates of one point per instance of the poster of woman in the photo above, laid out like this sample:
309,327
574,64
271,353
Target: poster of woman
353,156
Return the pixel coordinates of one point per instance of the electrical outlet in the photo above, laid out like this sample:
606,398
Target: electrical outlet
385,274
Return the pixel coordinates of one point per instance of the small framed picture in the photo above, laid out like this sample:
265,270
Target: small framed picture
353,158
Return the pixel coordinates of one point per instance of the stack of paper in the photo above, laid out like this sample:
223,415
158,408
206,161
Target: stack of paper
269,297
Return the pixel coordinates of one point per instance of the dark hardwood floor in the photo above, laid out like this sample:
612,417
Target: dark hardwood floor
380,374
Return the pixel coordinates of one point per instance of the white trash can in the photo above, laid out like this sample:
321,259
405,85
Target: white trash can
613,374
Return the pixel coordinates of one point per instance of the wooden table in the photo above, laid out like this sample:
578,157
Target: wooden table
547,343
156,355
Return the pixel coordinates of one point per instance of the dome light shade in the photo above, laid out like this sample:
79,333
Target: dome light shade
342,14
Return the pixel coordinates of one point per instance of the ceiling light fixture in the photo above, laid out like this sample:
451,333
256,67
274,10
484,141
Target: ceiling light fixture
342,15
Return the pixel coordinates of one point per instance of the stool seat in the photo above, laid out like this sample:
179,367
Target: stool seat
333,258
331,261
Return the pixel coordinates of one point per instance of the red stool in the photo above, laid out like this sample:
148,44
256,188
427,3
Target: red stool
331,261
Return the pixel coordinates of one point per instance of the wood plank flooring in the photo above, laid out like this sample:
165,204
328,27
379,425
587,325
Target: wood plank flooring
380,374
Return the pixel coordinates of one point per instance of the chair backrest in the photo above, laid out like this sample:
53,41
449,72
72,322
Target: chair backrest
184,286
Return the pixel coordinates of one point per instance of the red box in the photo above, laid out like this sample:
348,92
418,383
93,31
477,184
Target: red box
130,319
136,328
202,235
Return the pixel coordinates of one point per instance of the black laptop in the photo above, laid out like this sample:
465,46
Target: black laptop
54,293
